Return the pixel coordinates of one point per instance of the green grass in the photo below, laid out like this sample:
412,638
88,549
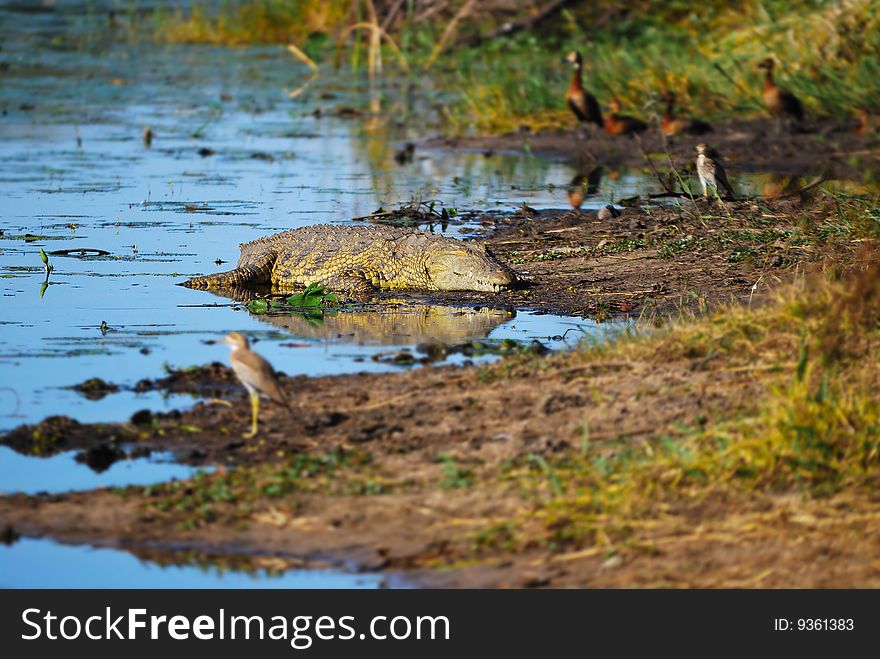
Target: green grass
810,427
707,54
245,22
708,60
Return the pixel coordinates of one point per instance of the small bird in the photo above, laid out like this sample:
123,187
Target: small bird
711,173
148,136
618,124
582,103
405,155
606,213
780,102
670,125
257,376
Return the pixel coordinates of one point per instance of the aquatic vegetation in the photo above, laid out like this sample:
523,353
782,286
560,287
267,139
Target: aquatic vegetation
313,298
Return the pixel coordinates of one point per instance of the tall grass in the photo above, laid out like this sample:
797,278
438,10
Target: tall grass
829,52
829,55
809,428
241,22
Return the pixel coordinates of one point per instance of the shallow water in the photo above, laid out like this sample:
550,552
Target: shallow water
63,473
42,563
75,173
233,157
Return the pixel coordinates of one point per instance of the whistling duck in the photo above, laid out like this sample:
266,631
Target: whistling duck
711,173
582,103
617,124
780,102
670,125
865,125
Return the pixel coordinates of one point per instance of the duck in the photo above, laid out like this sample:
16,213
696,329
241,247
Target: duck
618,124
670,125
866,123
582,103
780,102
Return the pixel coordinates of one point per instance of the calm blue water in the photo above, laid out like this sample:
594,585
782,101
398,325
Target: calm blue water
62,473
41,563
75,173
234,157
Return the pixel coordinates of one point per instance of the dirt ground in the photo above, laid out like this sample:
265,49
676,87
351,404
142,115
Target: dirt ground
424,450
420,482
819,147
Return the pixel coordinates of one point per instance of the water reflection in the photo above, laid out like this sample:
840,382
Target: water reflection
396,324
230,158
67,472
41,563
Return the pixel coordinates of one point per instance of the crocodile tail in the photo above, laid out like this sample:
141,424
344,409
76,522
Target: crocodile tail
256,272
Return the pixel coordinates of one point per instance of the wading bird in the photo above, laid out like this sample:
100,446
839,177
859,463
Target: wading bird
712,175
582,103
780,102
671,125
257,376
618,124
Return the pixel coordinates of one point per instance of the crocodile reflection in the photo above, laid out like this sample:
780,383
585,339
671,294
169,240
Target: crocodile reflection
394,322
395,325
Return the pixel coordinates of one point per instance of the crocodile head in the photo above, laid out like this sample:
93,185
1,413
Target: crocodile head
466,268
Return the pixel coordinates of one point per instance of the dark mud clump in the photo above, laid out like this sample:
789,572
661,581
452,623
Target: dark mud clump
95,388
211,381
57,434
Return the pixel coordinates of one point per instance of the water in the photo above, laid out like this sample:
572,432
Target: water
63,473
75,173
41,563
233,157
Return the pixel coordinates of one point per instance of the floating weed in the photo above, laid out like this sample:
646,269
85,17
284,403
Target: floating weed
312,300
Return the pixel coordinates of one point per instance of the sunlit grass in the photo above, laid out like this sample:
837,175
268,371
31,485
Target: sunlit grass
828,54
244,22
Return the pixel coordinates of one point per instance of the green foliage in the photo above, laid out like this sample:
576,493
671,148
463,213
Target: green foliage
707,56
454,476
313,297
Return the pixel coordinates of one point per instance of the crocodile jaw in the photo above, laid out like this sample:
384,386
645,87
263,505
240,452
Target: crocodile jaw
467,269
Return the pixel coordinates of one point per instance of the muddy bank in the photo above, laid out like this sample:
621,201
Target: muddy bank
410,473
660,259
407,491
438,473
821,147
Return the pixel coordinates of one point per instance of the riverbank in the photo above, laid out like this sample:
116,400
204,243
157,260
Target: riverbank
736,448
820,147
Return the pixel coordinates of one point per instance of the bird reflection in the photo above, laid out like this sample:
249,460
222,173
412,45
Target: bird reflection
583,186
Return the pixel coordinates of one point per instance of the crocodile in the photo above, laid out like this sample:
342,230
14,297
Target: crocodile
358,260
